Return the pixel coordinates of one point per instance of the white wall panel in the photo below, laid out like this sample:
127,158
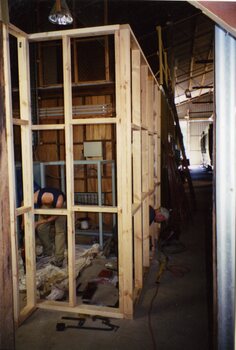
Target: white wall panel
195,130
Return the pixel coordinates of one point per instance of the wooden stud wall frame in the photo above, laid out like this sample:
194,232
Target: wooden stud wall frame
137,121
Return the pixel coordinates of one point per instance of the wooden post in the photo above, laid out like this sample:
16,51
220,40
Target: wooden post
158,146
150,88
7,338
11,172
137,192
136,87
137,168
124,183
27,168
145,190
160,54
146,241
69,167
144,92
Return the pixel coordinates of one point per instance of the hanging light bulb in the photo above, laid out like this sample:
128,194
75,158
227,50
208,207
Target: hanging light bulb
60,13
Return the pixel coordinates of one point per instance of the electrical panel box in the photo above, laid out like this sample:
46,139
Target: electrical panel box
93,149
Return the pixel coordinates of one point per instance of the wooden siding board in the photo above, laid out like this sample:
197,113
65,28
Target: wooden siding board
6,294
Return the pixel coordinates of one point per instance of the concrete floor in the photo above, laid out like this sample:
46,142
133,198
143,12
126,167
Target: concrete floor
172,315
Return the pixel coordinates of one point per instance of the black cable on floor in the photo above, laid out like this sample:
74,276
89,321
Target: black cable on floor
149,318
163,263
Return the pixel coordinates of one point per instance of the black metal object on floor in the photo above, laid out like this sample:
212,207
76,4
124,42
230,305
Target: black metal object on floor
108,326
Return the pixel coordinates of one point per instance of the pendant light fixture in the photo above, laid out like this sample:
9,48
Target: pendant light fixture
60,13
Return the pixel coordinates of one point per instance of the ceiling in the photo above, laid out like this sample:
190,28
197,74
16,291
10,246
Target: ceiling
188,38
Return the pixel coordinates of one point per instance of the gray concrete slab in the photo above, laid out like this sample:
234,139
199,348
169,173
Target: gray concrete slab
171,315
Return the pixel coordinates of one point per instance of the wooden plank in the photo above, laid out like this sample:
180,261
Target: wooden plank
95,209
50,211
150,93
27,167
74,33
25,313
165,67
138,250
145,163
119,167
82,309
94,121
144,195
137,167
135,127
155,107
69,167
20,122
136,46
137,293
123,108
22,210
158,146
11,170
144,92
6,290
16,32
136,87
75,54
151,162
160,47
48,127
146,239
135,207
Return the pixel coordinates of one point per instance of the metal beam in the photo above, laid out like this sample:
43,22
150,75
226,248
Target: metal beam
225,83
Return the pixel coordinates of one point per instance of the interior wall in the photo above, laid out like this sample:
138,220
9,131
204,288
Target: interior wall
192,131
225,68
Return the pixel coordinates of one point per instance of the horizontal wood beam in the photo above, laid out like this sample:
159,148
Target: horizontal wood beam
50,211
48,127
22,210
95,209
94,121
20,122
82,309
74,33
16,32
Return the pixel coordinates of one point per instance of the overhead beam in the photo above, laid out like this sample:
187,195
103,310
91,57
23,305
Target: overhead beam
224,15
77,33
180,100
192,56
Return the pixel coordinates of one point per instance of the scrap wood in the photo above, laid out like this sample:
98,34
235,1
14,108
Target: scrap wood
53,281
